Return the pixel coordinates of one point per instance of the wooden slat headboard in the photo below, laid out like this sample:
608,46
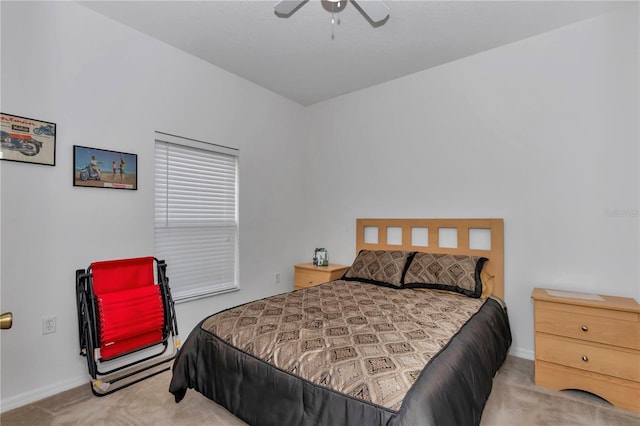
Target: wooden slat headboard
406,228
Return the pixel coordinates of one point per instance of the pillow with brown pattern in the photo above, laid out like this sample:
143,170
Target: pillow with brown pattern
380,267
458,273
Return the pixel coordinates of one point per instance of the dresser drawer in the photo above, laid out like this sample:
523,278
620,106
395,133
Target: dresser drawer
588,324
624,364
621,393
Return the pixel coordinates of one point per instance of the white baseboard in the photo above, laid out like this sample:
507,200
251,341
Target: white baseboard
522,353
41,393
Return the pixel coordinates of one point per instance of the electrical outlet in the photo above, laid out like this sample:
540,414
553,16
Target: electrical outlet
49,325
277,278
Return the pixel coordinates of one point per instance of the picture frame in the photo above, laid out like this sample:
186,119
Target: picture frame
27,140
321,257
103,168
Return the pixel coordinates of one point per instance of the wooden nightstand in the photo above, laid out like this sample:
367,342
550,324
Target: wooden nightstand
309,275
592,345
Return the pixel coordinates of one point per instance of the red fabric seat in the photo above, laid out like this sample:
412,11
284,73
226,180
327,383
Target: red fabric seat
130,309
122,274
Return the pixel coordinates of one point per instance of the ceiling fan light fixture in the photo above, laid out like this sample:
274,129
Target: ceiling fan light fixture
374,11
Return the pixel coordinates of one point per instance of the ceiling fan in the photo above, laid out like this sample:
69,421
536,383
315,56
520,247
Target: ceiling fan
374,11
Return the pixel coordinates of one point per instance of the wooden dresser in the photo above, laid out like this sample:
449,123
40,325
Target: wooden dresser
591,345
309,275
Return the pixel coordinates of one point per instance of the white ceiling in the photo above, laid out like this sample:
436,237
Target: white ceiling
297,58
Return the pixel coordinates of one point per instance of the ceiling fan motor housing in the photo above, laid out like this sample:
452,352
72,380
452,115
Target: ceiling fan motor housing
334,6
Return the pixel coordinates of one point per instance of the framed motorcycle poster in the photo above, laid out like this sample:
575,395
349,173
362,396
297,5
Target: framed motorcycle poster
101,168
27,140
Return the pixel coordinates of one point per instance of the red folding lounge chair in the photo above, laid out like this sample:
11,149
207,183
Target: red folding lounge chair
126,321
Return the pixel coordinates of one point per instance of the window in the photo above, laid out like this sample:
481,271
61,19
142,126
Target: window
196,215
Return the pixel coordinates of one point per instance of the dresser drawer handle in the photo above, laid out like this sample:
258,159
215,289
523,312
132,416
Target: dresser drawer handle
584,328
585,358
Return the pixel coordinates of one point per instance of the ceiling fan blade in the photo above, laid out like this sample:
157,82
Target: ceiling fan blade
375,10
285,8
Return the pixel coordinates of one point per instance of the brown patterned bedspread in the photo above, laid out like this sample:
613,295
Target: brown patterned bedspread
366,341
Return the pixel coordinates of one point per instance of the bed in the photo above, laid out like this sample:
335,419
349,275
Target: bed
412,334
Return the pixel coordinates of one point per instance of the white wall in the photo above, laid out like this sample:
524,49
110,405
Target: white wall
542,132
107,86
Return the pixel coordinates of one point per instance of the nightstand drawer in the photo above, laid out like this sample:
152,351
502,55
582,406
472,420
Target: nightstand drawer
308,275
624,364
310,278
588,324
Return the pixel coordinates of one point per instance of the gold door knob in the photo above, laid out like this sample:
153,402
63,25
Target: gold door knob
6,320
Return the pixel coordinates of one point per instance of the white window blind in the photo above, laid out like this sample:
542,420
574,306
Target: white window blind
196,225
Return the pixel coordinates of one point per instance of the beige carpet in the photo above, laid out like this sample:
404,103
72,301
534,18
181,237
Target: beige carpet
515,400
